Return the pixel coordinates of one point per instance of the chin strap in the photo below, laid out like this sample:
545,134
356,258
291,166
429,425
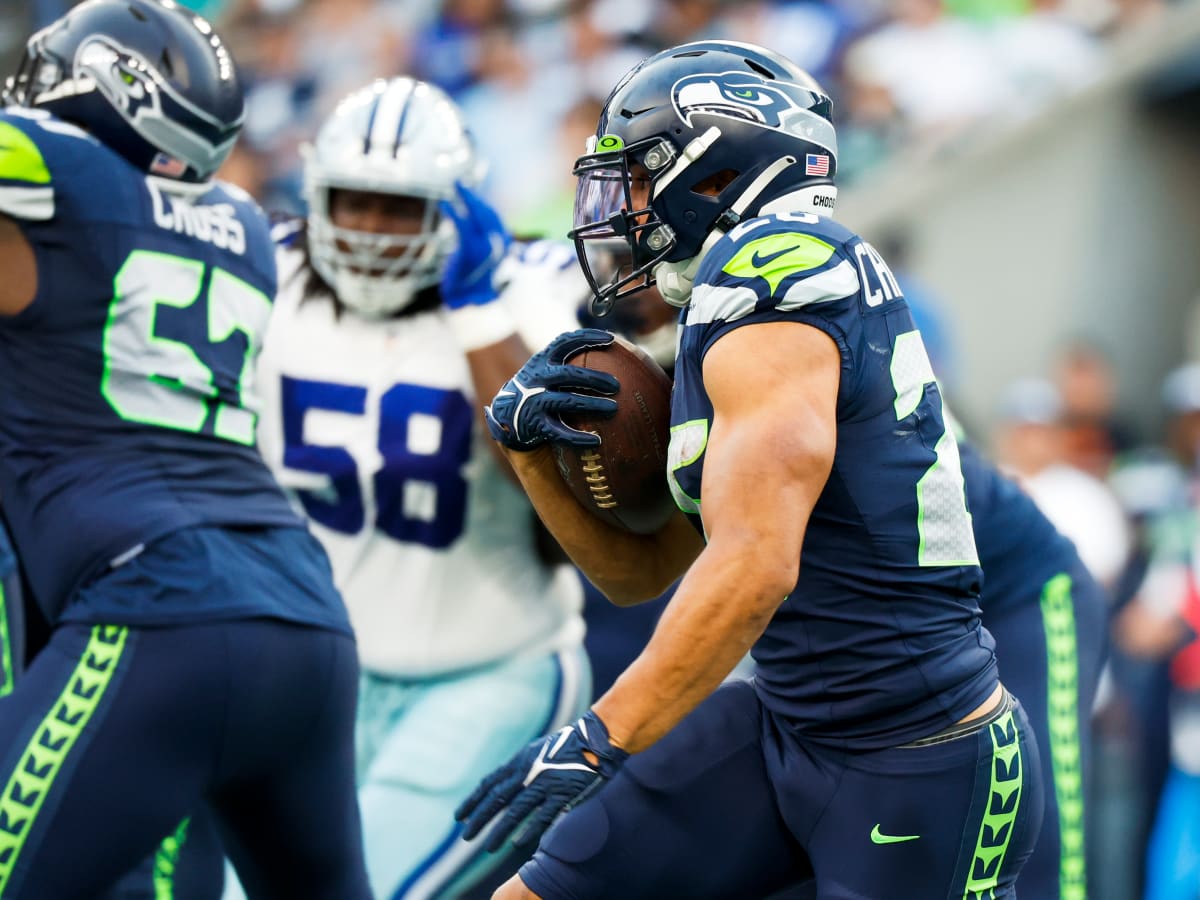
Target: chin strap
674,280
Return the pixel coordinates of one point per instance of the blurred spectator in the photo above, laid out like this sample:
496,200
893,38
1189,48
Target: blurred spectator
903,73
1093,433
347,43
1162,622
937,70
1131,725
507,110
680,21
988,10
553,216
280,99
1030,444
1181,397
811,34
1045,54
448,50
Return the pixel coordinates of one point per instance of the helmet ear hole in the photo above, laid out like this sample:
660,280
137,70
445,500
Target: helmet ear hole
715,183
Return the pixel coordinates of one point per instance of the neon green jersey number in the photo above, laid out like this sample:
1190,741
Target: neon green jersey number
943,523
162,381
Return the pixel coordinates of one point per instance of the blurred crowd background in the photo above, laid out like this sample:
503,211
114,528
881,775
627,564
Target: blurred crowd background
531,74
1087,387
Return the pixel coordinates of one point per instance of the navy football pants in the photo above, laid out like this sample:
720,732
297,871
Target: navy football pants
1050,650
731,805
116,733
1050,654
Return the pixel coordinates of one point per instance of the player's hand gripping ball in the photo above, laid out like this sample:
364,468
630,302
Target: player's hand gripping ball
612,453
527,412
623,479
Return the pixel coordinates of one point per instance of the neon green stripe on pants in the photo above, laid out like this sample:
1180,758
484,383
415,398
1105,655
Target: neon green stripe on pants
1062,706
166,858
1003,804
31,781
6,657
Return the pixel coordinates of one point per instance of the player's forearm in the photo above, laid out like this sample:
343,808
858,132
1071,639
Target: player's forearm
721,608
627,568
491,366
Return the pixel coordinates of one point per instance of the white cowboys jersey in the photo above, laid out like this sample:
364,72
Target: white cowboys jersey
374,429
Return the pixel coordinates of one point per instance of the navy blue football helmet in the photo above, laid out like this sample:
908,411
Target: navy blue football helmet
715,130
147,78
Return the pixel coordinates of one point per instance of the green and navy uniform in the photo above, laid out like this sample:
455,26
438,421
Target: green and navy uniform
842,758
200,649
1049,618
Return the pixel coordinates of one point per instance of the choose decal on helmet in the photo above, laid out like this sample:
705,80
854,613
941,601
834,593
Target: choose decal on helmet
147,78
718,131
402,137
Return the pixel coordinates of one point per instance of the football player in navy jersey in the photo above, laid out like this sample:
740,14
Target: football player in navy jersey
200,650
1046,612
824,527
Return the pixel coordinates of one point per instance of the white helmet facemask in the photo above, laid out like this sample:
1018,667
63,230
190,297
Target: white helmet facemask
400,137
380,274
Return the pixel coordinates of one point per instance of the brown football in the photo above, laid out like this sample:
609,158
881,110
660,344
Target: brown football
624,480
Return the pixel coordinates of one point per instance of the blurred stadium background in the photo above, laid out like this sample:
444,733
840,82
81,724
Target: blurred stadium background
1031,169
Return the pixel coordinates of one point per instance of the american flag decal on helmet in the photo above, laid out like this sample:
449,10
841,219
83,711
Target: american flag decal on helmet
816,164
168,166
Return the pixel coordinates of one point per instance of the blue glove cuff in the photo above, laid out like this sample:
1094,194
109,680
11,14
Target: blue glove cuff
593,734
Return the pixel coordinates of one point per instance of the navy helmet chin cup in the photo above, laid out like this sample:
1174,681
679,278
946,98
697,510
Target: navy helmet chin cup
719,129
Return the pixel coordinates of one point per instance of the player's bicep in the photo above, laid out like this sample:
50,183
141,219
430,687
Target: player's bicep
774,390
19,285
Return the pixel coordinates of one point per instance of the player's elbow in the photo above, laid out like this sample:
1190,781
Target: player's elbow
641,588
761,570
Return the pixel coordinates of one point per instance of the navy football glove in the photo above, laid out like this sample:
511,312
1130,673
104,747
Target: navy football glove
528,410
482,243
545,779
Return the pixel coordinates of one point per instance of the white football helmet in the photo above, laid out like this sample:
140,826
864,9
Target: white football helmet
400,136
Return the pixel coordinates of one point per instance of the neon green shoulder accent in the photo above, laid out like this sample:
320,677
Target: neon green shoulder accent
777,256
20,158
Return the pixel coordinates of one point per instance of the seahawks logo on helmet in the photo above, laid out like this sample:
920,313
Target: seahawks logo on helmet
120,75
143,97
745,96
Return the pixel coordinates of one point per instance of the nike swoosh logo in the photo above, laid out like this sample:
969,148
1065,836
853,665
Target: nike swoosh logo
878,837
759,261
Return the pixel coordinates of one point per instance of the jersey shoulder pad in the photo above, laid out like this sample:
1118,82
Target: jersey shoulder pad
44,160
27,154
781,262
